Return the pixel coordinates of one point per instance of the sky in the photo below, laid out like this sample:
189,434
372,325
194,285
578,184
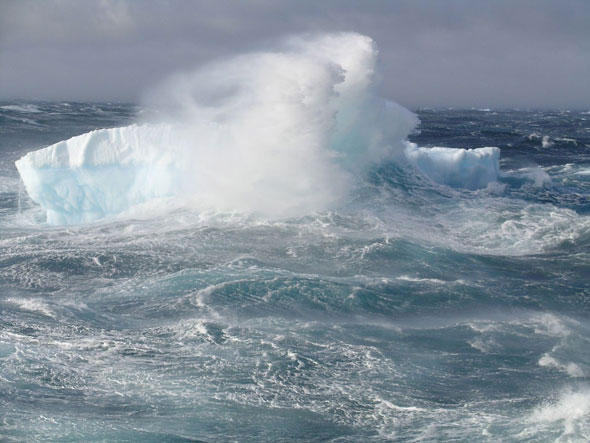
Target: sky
433,53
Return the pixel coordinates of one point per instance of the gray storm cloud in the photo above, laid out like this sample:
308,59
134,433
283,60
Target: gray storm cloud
432,53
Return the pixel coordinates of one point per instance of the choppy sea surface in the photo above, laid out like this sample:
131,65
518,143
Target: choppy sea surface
414,312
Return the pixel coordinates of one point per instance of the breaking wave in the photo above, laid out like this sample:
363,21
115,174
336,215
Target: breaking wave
281,134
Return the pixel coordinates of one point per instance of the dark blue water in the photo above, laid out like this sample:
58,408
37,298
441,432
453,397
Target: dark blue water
414,312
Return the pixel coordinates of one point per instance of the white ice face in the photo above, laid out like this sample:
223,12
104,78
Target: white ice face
100,173
465,168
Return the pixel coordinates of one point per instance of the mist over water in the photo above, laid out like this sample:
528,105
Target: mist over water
265,250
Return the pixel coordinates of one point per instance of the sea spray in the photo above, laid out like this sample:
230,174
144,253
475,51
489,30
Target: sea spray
283,133
277,133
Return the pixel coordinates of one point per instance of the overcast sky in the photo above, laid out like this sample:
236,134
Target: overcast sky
513,53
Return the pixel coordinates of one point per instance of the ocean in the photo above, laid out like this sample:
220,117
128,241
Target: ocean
415,312
287,257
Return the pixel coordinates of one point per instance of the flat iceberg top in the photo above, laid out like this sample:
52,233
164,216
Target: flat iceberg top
135,144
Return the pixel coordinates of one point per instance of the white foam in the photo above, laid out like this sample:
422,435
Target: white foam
434,281
483,346
570,368
9,183
546,142
21,108
571,409
551,325
537,175
511,228
32,305
567,140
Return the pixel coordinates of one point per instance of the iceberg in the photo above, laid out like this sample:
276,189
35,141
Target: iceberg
102,172
456,167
